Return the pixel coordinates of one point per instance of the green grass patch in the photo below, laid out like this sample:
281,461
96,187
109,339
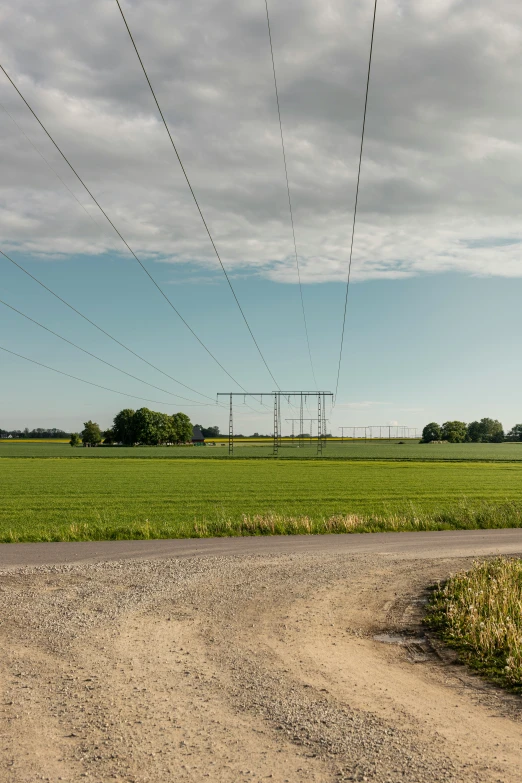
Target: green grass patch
479,613
349,450
93,499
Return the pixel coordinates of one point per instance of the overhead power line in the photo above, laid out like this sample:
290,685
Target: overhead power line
114,367
131,251
82,380
100,329
110,336
194,196
356,199
64,183
289,197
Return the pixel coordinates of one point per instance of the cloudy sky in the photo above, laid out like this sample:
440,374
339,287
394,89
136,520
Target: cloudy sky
439,210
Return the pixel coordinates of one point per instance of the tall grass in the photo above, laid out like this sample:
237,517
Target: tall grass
108,525
479,612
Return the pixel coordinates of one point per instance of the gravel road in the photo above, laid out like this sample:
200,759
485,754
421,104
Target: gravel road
256,667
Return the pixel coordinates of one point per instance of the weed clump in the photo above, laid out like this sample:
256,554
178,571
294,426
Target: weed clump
479,613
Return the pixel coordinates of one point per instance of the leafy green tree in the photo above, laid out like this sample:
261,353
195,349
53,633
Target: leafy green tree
485,431
454,431
515,433
91,434
182,428
75,439
145,427
154,428
431,432
474,432
124,427
108,437
150,428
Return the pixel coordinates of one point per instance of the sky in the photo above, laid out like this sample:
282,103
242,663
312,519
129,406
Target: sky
434,316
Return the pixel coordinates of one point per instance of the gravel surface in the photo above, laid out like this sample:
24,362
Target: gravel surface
241,668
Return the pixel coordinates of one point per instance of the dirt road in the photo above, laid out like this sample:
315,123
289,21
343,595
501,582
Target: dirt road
246,667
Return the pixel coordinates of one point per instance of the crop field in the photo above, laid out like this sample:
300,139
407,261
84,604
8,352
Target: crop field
78,499
23,441
334,450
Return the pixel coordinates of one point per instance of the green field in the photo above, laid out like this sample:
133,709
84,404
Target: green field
379,450
75,499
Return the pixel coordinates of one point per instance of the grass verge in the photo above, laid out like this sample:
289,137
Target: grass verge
479,613
99,526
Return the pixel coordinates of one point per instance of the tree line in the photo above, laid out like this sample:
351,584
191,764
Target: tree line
483,431
213,432
38,432
142,427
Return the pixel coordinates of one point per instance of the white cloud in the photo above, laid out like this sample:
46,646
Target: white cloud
440,188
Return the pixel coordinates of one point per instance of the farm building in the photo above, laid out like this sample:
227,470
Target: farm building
198,438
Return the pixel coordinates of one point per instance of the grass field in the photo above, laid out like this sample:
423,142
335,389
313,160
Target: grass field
76,499
378,450
479,612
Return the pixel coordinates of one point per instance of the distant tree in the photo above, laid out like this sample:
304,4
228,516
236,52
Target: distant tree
208,432
182,428
515,433
91,434
454,431
431,432
147,427
474,432
485,431
75,439
108,437
124,427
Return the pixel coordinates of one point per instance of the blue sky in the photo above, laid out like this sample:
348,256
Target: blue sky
434,316
425,348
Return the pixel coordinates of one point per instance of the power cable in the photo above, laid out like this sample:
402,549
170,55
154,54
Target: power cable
64,183
114,367
289,198
356,200
110,336
114,339
164,295
194,196
85,318
82,380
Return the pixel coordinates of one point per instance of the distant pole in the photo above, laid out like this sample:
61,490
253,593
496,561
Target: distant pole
301,421
231,429
275,423
278,420
323,427
319,426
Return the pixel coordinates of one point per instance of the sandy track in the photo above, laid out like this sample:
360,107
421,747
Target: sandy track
241,668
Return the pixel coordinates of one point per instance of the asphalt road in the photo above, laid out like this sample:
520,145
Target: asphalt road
424,545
